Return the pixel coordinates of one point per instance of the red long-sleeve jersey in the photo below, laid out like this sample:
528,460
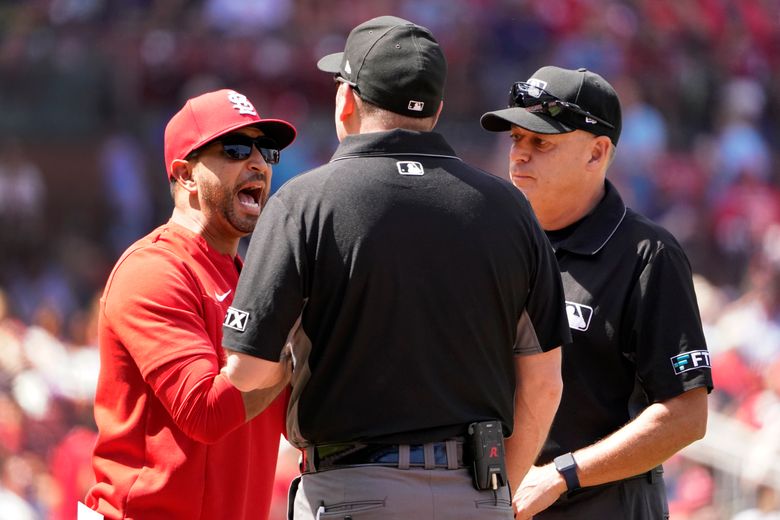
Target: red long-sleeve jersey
173,442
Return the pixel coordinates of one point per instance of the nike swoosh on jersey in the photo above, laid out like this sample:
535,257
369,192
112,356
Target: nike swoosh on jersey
221,297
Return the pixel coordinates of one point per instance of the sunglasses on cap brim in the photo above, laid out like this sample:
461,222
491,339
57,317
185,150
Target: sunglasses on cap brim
238,147
537,100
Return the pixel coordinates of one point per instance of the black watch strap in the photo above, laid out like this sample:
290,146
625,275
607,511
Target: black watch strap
567,466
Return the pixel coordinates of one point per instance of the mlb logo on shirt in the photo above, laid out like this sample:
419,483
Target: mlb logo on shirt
690,361
236,319
410,168
579,315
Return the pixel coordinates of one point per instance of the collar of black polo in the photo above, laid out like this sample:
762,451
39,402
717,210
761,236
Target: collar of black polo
393,142
596,229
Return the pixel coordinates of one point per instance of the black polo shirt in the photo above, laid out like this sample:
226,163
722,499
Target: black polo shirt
413,275
636,330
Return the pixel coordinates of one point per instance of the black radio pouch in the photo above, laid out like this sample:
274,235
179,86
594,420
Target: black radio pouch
486,444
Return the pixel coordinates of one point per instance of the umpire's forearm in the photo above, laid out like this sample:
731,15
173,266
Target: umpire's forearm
249,373
256,401
660,431
537,395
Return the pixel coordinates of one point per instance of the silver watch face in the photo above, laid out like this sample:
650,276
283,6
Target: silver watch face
565,462
567,467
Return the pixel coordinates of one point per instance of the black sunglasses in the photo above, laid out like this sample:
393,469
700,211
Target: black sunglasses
238,147
538,100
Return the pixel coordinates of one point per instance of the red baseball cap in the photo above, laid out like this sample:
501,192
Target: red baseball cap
208,116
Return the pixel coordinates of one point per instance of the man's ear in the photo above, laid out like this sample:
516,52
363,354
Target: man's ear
600,152
181,170
438,113
345,102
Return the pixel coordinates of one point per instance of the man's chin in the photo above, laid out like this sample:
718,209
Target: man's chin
245,226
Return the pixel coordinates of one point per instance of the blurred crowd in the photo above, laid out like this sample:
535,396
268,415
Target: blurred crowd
700,86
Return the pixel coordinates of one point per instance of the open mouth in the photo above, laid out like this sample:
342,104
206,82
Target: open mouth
251,196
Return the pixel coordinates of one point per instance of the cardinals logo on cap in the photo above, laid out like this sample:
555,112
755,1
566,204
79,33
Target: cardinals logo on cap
241,103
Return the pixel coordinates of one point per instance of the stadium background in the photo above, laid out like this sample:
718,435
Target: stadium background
86,87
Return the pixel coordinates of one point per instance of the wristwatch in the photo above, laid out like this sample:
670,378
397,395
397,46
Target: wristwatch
567,466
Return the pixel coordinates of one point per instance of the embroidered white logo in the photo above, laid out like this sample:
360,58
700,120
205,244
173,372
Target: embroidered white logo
579,315
417,106
590,120
221,297
539,84
241,103
690,360
347,68
236,319
410,168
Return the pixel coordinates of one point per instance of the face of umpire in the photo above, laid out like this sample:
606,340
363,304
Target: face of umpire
562,175
227,190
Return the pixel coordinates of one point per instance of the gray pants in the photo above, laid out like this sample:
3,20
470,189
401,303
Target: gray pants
379,492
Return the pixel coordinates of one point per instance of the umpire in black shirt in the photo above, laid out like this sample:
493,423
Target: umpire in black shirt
419,296
637,373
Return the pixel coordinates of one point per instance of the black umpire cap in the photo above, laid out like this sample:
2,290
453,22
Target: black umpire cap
393,64
558,101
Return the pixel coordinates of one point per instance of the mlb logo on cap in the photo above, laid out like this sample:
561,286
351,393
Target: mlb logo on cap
538,87
417,106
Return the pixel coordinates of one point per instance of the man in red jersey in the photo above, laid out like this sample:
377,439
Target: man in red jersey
176,439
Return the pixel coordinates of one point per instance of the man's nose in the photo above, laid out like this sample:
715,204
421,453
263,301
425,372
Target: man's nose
521,151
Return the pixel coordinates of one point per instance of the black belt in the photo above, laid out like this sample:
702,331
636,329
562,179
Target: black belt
445,454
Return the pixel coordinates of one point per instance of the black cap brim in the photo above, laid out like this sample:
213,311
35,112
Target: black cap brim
502,121
331,62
